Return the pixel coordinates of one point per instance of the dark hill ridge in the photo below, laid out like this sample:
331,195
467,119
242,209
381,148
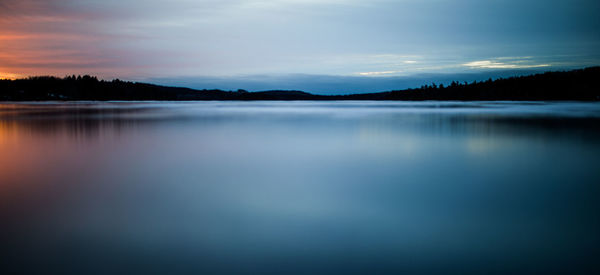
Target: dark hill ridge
567,85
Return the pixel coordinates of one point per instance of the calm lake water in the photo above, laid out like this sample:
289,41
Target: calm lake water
300,187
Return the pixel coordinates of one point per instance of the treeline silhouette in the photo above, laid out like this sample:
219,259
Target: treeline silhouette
579,84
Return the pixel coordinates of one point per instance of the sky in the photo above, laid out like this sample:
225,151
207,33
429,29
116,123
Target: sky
235,40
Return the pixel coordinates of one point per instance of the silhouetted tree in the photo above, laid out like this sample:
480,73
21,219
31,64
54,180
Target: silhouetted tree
571,85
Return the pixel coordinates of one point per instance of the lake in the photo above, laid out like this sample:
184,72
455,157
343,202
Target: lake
300,187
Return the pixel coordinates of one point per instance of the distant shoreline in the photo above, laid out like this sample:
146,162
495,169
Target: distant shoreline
576,85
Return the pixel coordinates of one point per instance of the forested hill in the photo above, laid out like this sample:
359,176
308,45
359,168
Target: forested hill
580,84
583,84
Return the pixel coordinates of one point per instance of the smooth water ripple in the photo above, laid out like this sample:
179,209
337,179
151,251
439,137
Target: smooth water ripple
300,187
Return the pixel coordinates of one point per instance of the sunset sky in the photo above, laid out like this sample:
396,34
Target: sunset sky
233,38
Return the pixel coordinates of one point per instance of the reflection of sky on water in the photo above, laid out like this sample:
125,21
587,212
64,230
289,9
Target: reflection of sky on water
301,187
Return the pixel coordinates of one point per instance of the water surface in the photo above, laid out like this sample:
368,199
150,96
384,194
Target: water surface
300,187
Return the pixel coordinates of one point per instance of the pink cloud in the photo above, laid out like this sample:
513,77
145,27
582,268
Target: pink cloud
52,38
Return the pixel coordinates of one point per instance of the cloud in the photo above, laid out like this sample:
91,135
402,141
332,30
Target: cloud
53,37
157,38
491,64
378,73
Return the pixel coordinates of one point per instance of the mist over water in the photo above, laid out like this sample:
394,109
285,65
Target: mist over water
300,187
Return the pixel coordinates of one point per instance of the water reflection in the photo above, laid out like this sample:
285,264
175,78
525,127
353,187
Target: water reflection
300,187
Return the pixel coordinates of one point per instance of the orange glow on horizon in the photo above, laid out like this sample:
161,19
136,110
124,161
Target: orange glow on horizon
10,76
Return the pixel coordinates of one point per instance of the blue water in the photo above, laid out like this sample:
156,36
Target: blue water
300,187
